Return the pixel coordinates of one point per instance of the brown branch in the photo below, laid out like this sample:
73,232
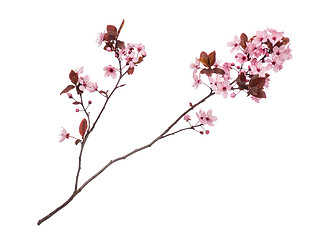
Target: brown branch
161,136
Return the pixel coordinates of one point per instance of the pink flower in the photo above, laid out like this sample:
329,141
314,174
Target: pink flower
131,59
260,38
241,58
195,66
83,81
110,71
186,117
234,44
206,118
79,71
223,87
197,81
92,86
257,68
64,135
141,49
100,38
274,36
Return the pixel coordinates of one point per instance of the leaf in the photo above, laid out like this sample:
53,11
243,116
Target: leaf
73,77
257,81
241,81
204,59
77,141
111,28
121,26
243,40
207,71
120,44
219,71
130,71
67,89
103,93
83,127
76,103
212,58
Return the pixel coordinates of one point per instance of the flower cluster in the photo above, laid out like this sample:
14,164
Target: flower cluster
128,56
267,50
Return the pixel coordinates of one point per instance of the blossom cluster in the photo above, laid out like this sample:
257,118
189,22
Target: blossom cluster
128,55
267,50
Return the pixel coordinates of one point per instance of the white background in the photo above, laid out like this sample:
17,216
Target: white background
265,171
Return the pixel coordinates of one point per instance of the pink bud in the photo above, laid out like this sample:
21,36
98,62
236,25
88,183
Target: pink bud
233,95
77,110
232,64
108,49
201,132
207,131
90,102
69,95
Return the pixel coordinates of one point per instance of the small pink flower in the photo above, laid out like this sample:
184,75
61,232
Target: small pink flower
257,68
131,59
100,38
197,81
260,38
92,86
241,58
223,87
84,82
274,36
64,135
234,44
110,71
79,71
141,49
186,117
206,118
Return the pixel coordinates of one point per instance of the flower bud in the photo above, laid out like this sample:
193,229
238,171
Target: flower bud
77,110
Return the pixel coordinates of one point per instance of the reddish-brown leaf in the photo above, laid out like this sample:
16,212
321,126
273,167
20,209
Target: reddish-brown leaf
120,44
121,26
67,89
219,71
204,59
76,103
257,81
243,40
212,58
207,71
241,81
73,77
103,93
83,127
77,141
111,28
130,70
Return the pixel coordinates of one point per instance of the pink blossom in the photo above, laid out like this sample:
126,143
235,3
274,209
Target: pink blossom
241,58
100,38
64,135
131,59
274,36
197,81
257,68
110,71
92,86
141,49
186,117
195,66
260,38
206,118
83,81
79,71
223,87
234,44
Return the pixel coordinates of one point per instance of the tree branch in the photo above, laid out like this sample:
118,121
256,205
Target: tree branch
161,136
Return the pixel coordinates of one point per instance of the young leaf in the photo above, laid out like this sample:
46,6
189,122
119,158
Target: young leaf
76,103
83,127
121,26
204,59
111,28
212,58
77,141
67,89
73,77
243,40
